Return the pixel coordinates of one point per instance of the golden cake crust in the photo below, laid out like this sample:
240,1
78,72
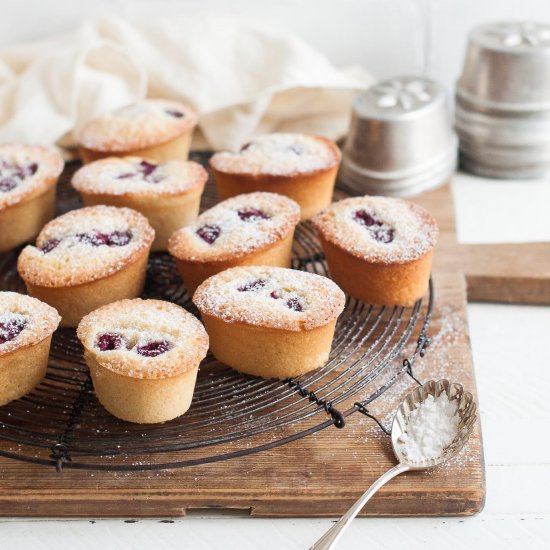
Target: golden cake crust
41,320
270,297
137,126
237,236
413,231
279,155
39,167
73,262
142,321
135,176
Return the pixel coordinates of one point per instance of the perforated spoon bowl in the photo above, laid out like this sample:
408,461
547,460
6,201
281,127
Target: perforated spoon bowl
466,409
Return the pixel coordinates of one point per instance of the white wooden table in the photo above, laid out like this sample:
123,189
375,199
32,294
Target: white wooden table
512,361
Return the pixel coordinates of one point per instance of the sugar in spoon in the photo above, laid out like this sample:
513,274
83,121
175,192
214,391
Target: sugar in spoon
466,410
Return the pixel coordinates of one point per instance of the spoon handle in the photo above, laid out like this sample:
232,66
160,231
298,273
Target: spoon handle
331,537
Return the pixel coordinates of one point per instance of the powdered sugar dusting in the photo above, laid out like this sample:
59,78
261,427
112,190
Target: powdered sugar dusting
236,226
140,323
134,175
39,320
26,169
412,229
279,154
79,255
141,124
432,426
269,297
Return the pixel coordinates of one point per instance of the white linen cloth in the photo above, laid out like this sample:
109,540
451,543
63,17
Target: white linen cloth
243,79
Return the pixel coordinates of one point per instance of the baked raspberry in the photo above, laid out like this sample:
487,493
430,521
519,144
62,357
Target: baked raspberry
152,349
252,215
380,231
110,341
145,169
252,285
294,304
119,238
11,328
31,169
7,184
115,238
209,233
174,113
49,245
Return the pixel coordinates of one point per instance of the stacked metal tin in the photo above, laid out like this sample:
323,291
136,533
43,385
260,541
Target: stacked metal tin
400,141
503,101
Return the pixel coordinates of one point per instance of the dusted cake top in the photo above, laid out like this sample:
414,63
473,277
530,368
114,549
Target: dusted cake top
24,321
270,297
134,175
235,227
85,245
143,124
379,229
26,170
279,155
144,338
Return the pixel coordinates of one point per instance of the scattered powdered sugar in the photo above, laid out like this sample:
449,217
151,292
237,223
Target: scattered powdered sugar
279,154
236,226
141,124
70,249
403,232
270,297
119,176
432,426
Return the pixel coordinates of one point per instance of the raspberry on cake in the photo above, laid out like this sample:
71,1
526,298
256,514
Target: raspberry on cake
270,321
168,194
28,176
87,258
143,357
300,166
26,328
251,229
157,129
378,249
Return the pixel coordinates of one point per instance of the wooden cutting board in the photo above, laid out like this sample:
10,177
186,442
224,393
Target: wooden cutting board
320,475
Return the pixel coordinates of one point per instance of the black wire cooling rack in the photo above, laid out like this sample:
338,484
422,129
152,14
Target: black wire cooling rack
62,424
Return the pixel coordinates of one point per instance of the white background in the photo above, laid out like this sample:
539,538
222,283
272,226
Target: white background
387,37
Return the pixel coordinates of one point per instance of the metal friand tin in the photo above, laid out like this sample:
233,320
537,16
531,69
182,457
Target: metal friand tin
400,141
503,101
